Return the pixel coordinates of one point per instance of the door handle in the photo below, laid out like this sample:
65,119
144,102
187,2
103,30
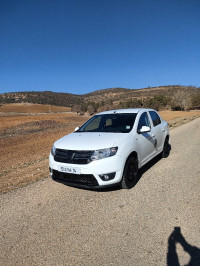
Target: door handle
153,135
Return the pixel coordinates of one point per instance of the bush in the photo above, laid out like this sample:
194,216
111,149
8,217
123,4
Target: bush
195,101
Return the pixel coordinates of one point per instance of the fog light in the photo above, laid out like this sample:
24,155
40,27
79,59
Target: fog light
107,177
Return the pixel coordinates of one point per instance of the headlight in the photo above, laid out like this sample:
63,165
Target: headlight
53,150
104,153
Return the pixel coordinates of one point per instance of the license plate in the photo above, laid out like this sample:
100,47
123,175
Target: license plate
70,170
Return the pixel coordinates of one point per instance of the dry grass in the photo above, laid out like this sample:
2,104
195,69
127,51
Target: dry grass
177,118
32,108
25,143
26,140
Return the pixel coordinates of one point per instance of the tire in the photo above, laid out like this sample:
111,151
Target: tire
166,149
130,174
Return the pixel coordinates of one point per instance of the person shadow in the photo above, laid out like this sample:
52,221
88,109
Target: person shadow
172,256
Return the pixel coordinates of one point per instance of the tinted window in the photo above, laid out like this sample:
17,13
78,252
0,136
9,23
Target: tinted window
117,123
144,121
155,118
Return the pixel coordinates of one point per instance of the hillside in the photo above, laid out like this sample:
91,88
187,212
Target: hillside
127,94
163,97
45,97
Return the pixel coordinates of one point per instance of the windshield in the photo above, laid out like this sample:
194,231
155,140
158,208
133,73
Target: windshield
115,123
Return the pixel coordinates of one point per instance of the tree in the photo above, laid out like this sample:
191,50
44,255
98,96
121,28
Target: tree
78,109
181,101
91,109
195,101
158,102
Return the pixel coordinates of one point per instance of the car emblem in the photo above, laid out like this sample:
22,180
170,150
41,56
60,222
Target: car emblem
73,154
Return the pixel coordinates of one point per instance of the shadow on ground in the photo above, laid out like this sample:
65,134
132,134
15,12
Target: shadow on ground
172,256
142,170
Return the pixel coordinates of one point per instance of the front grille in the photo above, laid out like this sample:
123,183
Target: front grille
73,157
72,179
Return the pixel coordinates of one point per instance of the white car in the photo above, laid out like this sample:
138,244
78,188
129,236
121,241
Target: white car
110,148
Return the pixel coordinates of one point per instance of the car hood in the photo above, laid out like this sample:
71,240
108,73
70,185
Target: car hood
89,141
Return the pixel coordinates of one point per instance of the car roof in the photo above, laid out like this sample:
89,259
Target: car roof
126,111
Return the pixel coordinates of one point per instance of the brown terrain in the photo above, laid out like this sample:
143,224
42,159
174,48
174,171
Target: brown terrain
27,132
32,108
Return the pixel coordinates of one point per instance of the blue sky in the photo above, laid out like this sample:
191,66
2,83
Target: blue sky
79,46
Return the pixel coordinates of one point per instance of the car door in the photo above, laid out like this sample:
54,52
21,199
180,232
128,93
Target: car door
146,140
158,130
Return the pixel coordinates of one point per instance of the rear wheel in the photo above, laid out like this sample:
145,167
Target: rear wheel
130,174
166,149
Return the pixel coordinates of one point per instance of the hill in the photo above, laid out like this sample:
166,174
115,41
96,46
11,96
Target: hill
163,97
44,97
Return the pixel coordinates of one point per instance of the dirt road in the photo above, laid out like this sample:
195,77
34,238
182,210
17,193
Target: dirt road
51,224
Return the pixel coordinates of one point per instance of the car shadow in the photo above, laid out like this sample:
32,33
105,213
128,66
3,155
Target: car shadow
141,171
147,166
172,256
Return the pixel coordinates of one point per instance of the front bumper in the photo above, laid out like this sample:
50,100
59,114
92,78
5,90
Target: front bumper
90,174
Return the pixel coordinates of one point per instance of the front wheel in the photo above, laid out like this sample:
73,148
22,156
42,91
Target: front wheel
130,174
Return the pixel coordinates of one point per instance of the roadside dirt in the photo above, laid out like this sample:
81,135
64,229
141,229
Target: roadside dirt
25,143
26,140
178,118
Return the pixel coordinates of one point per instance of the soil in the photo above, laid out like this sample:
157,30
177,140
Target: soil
177,118
26,140
32,108
25,143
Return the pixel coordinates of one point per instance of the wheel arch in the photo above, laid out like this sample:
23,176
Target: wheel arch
167,137
166,147
132,154
129,176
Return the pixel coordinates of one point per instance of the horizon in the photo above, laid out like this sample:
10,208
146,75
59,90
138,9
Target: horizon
79,47
25,91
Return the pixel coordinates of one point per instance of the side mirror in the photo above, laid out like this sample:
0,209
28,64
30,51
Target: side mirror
144,129
76,128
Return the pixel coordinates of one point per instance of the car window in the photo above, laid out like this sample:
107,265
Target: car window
93,125
108,122
155,118
144,121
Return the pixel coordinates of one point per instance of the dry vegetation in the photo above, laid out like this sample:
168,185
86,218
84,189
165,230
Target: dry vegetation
177,118
174,97
25,143
32,108
26,140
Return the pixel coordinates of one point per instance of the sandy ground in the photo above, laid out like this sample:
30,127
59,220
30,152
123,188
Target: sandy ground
26,140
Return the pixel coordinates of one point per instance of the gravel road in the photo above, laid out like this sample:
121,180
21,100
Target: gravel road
47,223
